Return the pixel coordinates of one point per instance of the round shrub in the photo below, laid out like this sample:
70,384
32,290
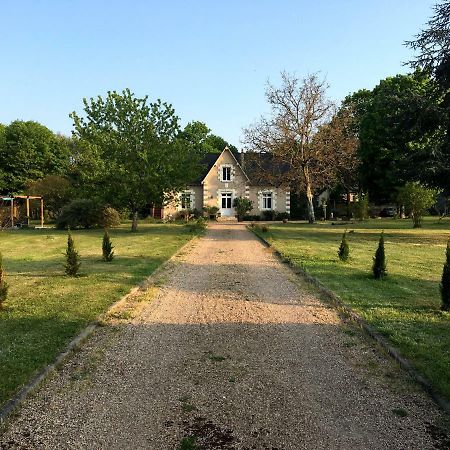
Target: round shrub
86,213
109,217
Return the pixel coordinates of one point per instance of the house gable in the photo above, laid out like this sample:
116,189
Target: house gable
226,159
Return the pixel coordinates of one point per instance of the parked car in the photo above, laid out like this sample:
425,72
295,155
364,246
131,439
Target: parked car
390,211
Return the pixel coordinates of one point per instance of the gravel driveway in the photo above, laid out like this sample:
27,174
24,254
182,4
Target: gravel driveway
235,353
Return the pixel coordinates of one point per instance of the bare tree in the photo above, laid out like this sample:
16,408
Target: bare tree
299,109
337,142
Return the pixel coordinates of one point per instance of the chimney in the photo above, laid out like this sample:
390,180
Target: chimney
242,159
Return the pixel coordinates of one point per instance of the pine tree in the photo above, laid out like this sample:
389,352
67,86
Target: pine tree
3,284
445,283
72,258
344,250
107,247
379,260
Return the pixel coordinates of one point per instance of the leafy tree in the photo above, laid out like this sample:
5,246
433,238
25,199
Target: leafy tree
242,205
216,144
398,136
73,263
131,152
30,151
3,285
107,247
417,199
379,260
344,249
298,110
339,140
55,189
445,281
432,45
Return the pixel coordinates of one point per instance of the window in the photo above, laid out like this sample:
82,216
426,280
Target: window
226,173
267,200
185,200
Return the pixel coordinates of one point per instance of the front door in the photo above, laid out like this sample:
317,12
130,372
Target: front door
226,209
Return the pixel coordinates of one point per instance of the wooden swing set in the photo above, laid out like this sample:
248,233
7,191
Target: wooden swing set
14,218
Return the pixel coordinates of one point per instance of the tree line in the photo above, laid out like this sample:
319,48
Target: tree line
376,141
125,152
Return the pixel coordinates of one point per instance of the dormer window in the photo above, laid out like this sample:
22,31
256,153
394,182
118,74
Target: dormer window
226,173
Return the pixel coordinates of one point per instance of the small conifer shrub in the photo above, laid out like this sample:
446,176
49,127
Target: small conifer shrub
3,284
379,260
73,263
344,250
107,247
445,281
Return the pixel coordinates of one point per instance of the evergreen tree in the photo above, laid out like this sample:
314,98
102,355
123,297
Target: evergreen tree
379,260
344,250
3,284
445,283
72,258
107,247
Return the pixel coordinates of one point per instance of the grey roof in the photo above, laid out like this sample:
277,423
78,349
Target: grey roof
260,168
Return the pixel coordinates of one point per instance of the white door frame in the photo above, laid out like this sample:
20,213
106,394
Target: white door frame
226,197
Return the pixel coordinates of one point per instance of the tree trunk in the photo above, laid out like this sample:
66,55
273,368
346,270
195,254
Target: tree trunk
310,204
134,224
349,208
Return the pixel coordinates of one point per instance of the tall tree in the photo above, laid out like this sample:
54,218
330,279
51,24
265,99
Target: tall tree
291,133
28,152
131,152
432,45
216,144
339,140
396,127
433,42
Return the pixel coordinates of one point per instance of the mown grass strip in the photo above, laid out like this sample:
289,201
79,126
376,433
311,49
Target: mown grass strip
46,309
404,307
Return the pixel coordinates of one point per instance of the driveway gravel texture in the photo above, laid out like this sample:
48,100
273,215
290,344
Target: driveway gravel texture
233,352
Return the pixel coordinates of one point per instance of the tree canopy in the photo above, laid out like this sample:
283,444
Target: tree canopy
299,135
396,124
29,151
132,152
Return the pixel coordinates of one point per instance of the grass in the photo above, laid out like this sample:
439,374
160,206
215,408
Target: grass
46,309
405,307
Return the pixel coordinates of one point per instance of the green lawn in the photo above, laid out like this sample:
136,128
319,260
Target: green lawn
45,309
405,306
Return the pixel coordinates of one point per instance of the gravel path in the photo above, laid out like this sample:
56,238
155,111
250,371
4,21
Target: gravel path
237,352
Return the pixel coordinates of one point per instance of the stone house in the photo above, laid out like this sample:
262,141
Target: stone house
225,177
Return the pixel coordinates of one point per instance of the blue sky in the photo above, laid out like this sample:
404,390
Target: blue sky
210,59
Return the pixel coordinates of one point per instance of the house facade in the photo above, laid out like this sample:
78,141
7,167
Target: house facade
224,178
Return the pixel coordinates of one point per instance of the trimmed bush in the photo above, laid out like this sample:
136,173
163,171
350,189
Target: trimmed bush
445,281
268,215
344,250
379,260
242,205
73,263
107,248
85,213
282,216
3,284
108,217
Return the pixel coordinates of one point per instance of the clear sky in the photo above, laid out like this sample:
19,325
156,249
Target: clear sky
211,59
